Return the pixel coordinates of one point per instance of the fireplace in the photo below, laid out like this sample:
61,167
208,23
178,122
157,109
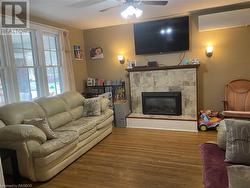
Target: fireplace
162,103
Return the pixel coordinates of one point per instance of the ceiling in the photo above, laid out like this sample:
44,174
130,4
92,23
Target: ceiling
71,12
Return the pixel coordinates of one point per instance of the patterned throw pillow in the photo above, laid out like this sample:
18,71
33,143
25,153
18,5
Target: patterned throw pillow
42,124
238,141
104,104
92,107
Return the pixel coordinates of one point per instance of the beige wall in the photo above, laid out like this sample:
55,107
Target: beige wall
231,59
76,38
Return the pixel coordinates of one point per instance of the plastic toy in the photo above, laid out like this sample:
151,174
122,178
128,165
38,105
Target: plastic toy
209,120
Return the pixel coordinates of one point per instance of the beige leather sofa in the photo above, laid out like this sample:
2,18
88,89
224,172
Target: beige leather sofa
40,159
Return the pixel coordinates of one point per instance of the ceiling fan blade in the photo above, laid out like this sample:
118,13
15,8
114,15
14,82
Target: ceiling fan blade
106,9
86,3
162,3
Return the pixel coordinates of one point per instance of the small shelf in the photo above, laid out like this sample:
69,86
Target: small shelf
94,91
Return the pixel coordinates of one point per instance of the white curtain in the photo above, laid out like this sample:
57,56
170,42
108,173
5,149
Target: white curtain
68,72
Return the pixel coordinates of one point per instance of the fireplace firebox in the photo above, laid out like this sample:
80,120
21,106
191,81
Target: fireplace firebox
162,103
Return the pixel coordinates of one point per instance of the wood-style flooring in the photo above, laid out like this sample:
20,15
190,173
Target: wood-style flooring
137,158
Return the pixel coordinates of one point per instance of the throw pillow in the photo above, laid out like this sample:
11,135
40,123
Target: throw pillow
92,107
238,176
221,135
42,124
104,104
2,124
238,141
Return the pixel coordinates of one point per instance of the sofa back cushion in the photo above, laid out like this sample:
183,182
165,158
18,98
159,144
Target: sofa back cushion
74,101
55,110
15,113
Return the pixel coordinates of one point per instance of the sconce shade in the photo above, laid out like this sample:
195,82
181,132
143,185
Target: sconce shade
121,59
209,51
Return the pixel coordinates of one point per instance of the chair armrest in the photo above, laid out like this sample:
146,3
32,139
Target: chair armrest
21,132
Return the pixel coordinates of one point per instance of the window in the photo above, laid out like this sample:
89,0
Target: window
52,63
30,65
25,66
3,94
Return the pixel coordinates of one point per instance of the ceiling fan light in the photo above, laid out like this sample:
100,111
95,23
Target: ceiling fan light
124,14
138,12
130,11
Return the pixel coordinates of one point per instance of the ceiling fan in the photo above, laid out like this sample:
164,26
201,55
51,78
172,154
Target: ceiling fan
136,3
132,7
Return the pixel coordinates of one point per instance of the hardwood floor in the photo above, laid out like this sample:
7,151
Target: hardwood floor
137,158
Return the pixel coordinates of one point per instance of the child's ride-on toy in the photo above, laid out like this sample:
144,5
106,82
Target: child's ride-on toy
206,121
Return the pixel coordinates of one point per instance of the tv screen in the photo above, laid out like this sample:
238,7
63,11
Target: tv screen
162,36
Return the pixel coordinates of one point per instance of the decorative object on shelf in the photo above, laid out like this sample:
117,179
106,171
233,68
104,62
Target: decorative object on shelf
121,59
185,62
153,64
96,53
78,53
195,61
209,50
131,64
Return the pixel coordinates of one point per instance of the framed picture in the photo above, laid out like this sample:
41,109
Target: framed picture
78,53
96,53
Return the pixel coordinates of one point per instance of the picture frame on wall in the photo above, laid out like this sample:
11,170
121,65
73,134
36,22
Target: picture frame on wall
96,53
78,55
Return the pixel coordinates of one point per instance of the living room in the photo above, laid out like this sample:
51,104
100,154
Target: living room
53,134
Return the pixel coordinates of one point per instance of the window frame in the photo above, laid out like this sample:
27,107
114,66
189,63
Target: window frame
14,67
8,71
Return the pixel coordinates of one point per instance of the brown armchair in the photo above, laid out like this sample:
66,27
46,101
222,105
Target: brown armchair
237,99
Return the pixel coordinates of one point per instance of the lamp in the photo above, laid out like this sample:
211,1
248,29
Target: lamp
130,11
209,50
121,59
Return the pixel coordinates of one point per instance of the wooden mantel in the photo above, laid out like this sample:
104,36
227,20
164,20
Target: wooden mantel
146,68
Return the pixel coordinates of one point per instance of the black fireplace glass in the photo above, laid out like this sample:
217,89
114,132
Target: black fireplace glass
161,103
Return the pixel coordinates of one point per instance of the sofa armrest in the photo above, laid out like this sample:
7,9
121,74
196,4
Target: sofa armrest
21,132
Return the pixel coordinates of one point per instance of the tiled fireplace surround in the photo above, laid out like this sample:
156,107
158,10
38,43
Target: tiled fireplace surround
164,79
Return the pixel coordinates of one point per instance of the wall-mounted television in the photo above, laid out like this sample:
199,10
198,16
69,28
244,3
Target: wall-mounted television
162,36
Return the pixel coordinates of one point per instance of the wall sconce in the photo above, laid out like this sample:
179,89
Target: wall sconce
209,50
121,59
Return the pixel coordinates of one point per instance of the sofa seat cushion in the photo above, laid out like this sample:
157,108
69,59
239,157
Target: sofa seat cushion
63,139
237,114
81,125
87,134
99,119
105,123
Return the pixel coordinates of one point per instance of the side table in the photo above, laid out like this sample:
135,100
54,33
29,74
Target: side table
9,153
121,110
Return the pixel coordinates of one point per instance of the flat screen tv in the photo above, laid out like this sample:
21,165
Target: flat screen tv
162,36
